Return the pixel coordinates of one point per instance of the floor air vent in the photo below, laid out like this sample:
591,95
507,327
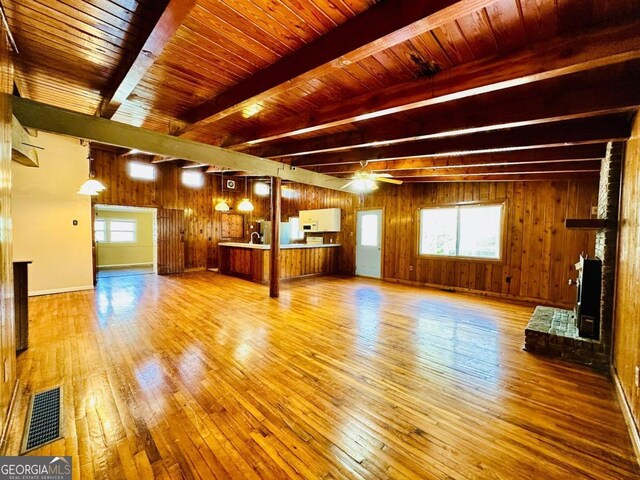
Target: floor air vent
43,420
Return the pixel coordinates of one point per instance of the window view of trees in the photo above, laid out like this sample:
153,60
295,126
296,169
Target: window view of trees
461,231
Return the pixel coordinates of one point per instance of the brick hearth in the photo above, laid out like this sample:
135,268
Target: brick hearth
553,332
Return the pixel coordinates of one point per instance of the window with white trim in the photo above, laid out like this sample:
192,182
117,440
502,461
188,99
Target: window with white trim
115,231
122,231
471,231
100,229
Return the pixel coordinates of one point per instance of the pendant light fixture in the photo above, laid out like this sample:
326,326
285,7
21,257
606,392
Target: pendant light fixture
245,205
222,205
92,186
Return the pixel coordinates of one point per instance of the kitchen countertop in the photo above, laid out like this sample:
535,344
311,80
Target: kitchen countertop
260,246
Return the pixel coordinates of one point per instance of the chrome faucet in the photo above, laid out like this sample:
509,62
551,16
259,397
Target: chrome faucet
252,234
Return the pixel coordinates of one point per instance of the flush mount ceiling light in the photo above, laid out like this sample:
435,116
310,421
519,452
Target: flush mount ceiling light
245,205
92,186
222,205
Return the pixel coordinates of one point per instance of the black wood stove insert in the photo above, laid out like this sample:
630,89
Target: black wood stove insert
587,308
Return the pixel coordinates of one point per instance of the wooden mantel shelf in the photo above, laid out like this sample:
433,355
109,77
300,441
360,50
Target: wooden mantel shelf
586,223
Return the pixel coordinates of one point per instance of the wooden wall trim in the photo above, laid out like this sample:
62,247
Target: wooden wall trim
626,322
7,423
484,293
634,434
7,313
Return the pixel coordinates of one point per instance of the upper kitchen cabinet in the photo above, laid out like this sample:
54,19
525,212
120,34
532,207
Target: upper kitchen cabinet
321,220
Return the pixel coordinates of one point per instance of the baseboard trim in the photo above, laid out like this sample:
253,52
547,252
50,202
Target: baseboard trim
126,265
60,290
626,413
537,301
7,423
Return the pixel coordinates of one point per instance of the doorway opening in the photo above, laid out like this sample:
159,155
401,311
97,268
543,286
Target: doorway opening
369,243
126,241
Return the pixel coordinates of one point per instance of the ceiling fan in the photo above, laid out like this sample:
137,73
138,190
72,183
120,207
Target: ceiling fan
364,181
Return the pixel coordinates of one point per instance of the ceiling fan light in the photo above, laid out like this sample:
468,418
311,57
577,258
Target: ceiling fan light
245,205
364,184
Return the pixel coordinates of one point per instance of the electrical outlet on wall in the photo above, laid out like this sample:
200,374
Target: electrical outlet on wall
637,376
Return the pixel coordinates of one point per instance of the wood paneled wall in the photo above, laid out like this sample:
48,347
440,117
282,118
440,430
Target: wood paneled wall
170,241
201,223
539,253
626,327
7,335
306,197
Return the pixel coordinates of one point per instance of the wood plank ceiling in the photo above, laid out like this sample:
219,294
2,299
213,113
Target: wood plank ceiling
424,90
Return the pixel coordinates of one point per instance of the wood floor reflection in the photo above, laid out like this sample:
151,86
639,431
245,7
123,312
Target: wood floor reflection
204,376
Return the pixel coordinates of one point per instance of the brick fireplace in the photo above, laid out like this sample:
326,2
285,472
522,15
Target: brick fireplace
553,331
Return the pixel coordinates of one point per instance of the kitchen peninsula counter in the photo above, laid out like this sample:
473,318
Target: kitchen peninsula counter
251,261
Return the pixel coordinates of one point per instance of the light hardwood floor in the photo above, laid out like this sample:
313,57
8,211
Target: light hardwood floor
204,376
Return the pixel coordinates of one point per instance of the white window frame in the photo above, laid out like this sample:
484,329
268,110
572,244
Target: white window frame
103,230
127,220
108,230
458,207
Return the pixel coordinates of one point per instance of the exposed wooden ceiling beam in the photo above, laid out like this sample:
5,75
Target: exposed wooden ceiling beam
557,57
65,122
497,110
165,159
524,168
23,145
549,154
215,169
382,26
514,177
170,20
582,131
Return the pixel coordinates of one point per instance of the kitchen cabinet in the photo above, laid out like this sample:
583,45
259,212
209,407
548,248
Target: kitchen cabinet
321,220
251,261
